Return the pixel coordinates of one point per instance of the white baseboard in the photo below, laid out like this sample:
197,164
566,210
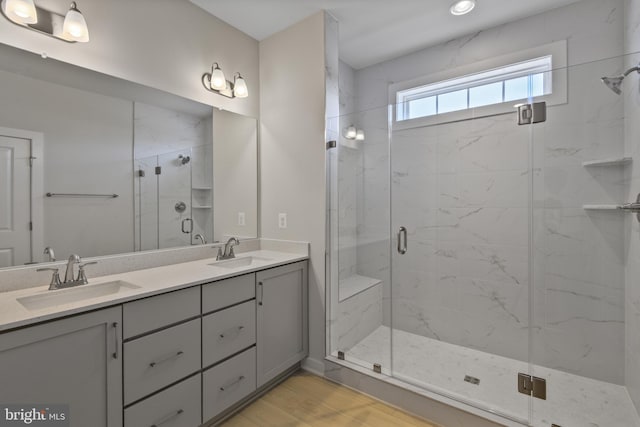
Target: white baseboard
314,366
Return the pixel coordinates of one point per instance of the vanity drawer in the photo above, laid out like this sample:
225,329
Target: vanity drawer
163,310
228,331
227,383
221,294
157,360
177,406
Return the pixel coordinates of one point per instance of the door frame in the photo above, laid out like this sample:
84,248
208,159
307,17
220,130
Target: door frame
37,187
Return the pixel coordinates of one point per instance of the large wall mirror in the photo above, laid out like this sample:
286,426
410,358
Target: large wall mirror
94,165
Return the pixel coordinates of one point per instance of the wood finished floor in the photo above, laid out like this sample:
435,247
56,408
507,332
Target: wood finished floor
307,400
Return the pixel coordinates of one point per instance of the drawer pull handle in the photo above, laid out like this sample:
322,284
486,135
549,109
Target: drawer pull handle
166,359
239,328
115,338
167,418
261,287
232,384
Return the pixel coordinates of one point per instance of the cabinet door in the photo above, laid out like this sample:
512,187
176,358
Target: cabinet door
75,361
282,339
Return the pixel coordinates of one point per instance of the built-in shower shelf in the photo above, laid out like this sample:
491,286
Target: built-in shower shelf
202,188
618,161
601,207
202,207
353,285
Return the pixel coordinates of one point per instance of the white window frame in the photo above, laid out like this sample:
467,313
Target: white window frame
484,72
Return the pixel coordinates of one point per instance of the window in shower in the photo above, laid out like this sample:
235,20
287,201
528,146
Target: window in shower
484,88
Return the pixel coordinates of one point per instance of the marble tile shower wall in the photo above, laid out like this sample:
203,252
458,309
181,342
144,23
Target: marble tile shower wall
578,255
631,97
462,191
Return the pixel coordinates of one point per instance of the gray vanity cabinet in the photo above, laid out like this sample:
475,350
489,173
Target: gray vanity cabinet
282,341
74,361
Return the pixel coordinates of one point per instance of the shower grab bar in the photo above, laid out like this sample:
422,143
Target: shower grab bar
402,248
111,196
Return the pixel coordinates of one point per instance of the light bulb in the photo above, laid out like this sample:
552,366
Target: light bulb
240,87
21,11
218,81
75,27
462,7
360,135
351,132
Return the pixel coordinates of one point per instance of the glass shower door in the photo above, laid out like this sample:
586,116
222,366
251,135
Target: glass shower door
163,201
358,169
460,215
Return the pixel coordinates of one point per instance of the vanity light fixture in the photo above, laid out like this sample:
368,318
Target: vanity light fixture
75,27
216,82
20,11
240,87
462,7
71,28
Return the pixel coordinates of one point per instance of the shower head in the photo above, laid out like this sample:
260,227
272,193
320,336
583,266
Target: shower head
615,83
184,159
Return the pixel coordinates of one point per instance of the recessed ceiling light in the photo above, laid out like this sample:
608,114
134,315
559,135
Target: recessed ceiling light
462,7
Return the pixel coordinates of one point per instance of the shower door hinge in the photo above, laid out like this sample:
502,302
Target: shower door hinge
158,170
532,113
532,386
31,159
331,144
30,226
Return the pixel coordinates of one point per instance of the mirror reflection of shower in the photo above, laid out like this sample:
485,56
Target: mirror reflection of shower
615,83
174,198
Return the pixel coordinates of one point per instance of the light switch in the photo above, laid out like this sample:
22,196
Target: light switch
241,219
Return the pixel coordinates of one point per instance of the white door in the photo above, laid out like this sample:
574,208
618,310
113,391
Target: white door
15,200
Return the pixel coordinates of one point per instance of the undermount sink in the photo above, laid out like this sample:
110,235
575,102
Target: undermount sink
75,294
246,261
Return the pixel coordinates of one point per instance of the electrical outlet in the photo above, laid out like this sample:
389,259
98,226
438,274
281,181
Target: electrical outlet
282,220
241,219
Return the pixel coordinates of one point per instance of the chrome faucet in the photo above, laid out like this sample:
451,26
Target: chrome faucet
228,249
68,275
69,280
49,251
201,238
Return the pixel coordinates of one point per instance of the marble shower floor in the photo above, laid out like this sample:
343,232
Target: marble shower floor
572,401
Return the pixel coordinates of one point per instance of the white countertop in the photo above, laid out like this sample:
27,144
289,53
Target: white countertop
152,281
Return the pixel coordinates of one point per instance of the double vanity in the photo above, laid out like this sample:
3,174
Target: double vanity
176,345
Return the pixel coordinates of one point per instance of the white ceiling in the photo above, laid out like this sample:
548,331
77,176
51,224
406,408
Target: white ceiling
372,31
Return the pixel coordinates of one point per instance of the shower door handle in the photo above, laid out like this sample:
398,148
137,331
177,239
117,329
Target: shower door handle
402,241
190,230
